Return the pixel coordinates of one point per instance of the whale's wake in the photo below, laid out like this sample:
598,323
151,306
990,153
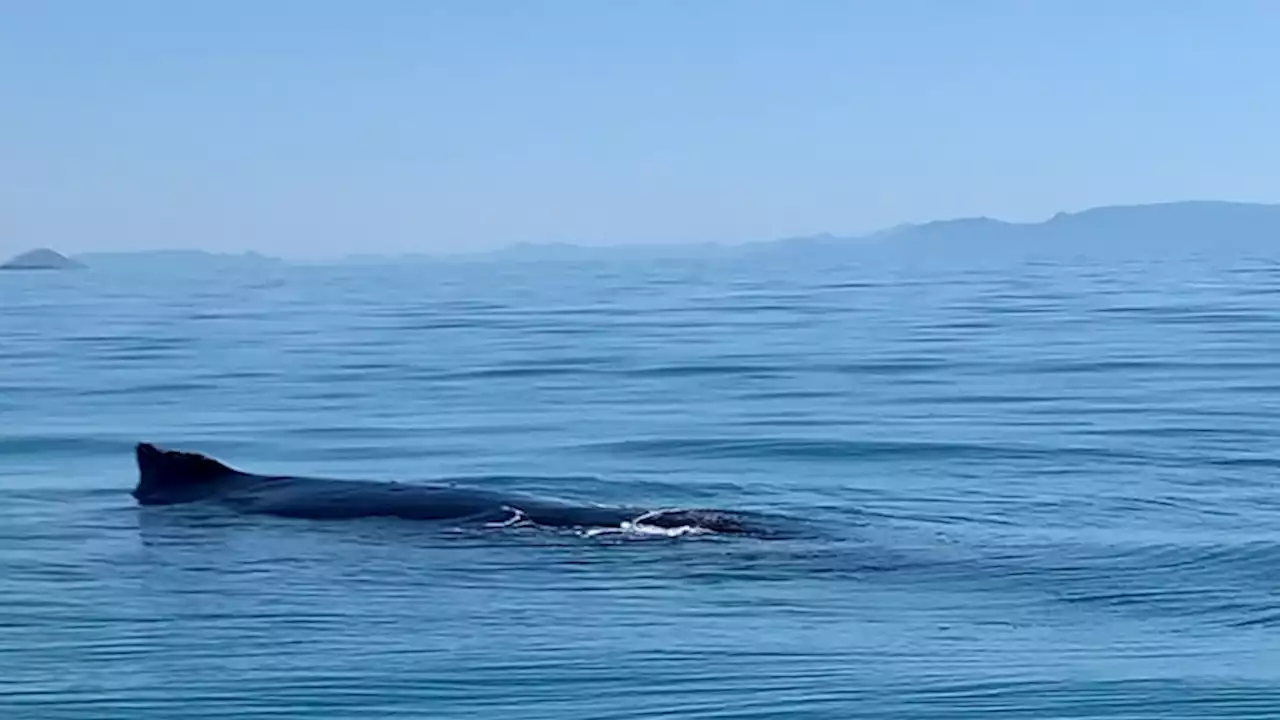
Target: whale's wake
639,527
518,518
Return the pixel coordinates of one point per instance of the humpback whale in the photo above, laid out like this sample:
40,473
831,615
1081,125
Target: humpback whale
170,477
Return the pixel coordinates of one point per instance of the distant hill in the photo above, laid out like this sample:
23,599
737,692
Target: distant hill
1181,225
1154,228
41,259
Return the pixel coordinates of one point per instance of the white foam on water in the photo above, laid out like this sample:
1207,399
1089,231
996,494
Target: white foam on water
517,518
638,527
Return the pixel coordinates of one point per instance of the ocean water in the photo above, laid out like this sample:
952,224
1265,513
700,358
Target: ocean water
1047,488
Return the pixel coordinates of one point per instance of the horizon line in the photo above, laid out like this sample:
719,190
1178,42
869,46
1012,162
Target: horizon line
526,245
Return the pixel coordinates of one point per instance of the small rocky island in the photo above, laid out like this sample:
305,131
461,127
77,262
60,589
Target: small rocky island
41,259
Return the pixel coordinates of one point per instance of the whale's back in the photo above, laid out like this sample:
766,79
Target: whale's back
169,477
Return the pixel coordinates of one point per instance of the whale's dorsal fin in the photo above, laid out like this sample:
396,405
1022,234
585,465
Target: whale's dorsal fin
159,467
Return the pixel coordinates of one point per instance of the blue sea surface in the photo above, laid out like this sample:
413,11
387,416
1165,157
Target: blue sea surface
1046,488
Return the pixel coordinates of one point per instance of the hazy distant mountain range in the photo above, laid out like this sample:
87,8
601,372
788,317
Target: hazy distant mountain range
172,258
1148,229
1141,229
1152,228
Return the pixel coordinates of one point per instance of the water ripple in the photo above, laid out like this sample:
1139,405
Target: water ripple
1044,488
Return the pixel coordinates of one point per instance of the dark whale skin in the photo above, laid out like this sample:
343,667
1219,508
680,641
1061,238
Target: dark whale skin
171,477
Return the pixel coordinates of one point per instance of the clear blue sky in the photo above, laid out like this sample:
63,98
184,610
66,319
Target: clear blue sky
317,127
